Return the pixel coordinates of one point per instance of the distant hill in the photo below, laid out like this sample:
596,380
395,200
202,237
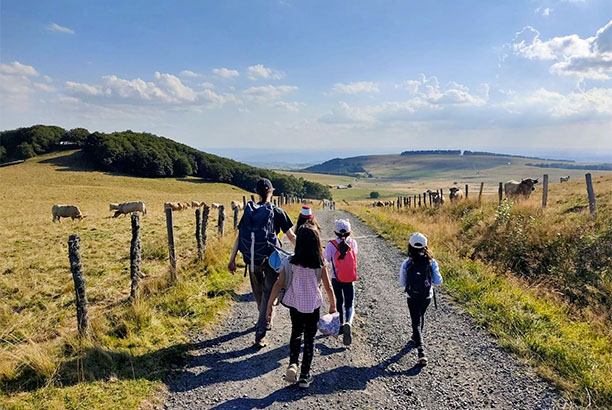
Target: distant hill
432,163
148,155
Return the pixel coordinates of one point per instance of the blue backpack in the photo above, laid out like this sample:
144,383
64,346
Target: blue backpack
257,237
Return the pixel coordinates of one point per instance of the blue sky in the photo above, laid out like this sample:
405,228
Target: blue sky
513,76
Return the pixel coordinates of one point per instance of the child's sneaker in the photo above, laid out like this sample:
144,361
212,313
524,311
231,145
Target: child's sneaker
305,381
347,338
291,375
422,358
261,343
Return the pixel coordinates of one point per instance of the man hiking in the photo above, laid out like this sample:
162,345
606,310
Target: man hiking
257,235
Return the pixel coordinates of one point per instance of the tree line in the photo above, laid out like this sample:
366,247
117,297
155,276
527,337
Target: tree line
148,155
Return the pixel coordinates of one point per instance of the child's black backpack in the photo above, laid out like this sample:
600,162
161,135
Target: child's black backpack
418,279
256,236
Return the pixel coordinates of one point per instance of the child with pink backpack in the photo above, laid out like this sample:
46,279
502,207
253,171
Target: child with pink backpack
342,255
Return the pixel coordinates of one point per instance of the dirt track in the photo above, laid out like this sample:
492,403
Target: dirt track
466,368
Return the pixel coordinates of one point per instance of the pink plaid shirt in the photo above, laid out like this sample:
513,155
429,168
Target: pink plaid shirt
303,293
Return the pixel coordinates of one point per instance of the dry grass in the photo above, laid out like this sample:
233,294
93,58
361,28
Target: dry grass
43,364
539,280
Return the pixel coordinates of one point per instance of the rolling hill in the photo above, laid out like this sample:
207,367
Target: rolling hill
414,172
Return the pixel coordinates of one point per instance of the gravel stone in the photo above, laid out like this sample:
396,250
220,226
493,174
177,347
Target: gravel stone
467,369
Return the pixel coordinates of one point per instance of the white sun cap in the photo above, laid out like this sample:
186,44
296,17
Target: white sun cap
418,240
342,225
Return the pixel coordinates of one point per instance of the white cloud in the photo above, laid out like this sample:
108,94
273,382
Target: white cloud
189,73
355,88
59,29
206,84
44,87
544,11
267,92
289,106
429,90
225,72
260,71
16,68
165,90
582,57
16,80
589,103
343,113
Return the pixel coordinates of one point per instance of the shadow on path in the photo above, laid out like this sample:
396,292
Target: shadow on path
339,378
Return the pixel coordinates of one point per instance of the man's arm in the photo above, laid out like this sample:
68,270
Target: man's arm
231,266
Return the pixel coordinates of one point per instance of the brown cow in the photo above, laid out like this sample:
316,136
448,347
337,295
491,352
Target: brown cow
520,189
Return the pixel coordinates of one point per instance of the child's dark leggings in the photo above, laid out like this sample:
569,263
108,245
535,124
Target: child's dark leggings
417,308
302,323
345,293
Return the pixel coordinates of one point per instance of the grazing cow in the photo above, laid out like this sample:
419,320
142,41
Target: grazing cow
175,206
196,204
455,194
127,208
564,179
520,189
436,198
379,203
66,211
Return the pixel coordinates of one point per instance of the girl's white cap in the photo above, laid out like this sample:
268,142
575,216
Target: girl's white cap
342,225
418,240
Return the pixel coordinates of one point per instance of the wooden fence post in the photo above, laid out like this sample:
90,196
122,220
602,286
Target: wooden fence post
545,191
500,192
221,225
74,254
430,198
252,197
135,257
480,193
171,250
408,204
425,199
205,212
236,213
591,193
466,191
244,201
198,232
419,200
441,195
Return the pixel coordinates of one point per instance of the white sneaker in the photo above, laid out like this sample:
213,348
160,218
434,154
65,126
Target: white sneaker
291,375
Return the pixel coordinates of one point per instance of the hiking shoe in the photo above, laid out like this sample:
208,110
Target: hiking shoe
422,358
305,381
263,342
341,331
347,338
291,375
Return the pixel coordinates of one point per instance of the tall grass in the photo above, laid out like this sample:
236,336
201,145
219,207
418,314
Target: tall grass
43,364
539,280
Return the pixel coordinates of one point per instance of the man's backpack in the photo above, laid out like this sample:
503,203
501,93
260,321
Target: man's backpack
256,236
345,266
418,279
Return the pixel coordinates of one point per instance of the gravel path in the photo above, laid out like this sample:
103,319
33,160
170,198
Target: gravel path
466,368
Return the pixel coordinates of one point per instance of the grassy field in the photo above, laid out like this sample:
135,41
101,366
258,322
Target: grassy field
43,364
395,175
539,280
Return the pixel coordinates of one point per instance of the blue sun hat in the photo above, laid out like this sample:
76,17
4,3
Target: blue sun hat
276,258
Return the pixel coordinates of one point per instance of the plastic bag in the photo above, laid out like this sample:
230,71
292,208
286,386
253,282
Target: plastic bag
329,324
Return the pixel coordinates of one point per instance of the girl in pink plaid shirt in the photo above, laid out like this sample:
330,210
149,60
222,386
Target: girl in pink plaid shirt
303,298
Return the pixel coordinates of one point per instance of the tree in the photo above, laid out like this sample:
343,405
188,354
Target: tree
78,135
374,194
24,151
2,154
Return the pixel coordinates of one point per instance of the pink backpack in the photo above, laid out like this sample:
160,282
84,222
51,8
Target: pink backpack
346,268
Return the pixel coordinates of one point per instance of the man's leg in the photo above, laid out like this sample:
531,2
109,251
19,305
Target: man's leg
256,278
269,278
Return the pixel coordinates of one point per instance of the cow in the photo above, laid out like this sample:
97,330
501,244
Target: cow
436,198
128,207
520,189
455,194
66,211
564,179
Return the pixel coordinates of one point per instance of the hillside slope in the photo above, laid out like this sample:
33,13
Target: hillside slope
131,346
